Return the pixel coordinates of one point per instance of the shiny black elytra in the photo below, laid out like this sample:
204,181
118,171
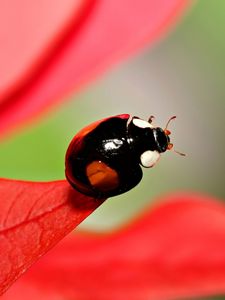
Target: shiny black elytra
104,158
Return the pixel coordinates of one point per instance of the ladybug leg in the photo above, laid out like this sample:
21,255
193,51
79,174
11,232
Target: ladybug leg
151,119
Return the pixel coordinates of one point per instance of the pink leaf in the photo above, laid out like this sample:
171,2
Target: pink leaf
29,32
33,218
177,249
107,31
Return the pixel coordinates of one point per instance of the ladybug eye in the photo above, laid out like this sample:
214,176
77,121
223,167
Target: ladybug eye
141,123
149,158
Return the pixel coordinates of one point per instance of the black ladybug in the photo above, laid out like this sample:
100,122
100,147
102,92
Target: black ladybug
104,158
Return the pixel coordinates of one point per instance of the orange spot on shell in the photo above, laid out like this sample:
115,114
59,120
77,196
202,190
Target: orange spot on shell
102,176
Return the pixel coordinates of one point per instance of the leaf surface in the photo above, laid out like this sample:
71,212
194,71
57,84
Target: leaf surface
33,218
175,250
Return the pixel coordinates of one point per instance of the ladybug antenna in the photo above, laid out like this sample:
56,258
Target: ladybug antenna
167,132
170,147
170,119
178,152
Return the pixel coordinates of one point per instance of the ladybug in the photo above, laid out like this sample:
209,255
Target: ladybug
104,159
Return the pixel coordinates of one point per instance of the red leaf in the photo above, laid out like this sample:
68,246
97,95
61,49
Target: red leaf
107,32
33,218
177,249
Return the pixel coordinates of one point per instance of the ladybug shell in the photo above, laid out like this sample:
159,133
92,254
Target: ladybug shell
100,162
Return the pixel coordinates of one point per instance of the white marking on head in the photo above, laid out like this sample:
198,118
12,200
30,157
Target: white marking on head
142,123
149,158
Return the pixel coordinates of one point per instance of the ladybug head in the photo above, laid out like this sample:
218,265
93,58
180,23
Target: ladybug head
162,138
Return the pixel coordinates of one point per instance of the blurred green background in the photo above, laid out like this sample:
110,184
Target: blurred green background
183,75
